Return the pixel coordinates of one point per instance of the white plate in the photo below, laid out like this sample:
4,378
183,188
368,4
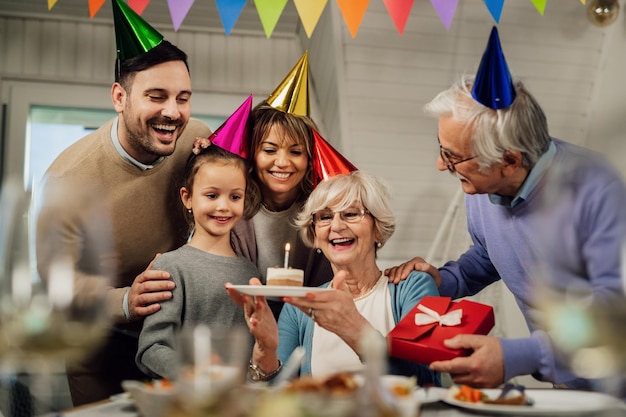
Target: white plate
547,402
277,290
430,394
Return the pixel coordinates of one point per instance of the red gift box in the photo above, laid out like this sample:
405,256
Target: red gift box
424,343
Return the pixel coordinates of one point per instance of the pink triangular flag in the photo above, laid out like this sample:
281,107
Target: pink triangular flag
269,12
51,4
495,8
232,135
540,5
178,11
445,9
94,7
353,12
399,11
310,12
138,5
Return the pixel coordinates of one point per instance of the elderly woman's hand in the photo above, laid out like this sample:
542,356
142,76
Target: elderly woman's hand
335,311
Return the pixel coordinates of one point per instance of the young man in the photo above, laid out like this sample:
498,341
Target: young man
134,162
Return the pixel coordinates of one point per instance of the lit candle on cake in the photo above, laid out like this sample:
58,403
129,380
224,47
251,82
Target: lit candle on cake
285,276
287,248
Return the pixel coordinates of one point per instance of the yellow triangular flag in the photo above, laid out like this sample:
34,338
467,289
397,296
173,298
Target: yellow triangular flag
540,5
51,4
269,12
582,1
310,12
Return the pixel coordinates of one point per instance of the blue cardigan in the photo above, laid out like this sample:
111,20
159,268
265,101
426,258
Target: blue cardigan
296,328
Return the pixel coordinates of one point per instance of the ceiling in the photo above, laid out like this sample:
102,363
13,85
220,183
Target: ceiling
202,14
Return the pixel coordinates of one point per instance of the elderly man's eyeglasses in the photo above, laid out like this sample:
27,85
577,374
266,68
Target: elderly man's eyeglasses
448,158
323,218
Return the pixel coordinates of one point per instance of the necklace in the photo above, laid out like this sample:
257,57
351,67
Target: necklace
368,292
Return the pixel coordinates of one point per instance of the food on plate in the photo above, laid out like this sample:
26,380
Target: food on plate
510,395
336,384
292,277
399,386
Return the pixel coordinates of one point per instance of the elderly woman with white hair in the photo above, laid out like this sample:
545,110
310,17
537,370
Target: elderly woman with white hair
348,218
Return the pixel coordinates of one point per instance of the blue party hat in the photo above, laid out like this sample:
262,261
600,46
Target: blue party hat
493,86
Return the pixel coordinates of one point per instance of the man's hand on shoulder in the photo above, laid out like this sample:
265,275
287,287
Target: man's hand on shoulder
148,290
401,272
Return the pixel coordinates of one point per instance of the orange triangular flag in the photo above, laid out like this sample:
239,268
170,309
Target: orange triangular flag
399,11
51,4
94,7
310,12
269,12
540,5
353,12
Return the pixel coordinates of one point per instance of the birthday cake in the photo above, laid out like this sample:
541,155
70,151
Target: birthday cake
284,276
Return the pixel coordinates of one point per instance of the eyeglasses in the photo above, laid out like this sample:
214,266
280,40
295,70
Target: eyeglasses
446,157
323,218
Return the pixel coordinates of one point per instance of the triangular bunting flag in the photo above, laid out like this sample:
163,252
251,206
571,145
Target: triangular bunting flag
445,9
178,11
582,1
540,5
353,12
138,5
94,7
327,161
269,12
493,85
229,11
232,135
51,4
495,8
310,12
399,11
292,94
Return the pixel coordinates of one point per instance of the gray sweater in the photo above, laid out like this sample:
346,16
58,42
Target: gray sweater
199,297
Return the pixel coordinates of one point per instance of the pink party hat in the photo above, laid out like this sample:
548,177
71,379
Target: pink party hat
493,86
232,135
327,162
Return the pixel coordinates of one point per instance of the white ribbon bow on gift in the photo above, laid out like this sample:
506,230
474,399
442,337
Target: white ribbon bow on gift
452,318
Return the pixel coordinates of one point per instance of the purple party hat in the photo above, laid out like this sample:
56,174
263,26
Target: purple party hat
493,86
232,135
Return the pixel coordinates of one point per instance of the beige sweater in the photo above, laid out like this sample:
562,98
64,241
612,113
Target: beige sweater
111,216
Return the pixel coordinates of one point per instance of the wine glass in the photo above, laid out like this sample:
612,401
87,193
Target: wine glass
45,321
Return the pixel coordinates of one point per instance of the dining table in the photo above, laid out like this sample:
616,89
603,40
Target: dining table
432,405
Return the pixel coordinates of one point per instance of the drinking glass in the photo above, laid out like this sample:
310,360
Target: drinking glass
212,364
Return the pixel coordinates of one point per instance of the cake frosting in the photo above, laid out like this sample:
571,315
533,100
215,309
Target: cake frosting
284,276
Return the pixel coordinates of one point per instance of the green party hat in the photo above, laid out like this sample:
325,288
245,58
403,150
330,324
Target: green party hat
134,36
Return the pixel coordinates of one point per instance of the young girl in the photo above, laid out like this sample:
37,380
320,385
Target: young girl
213,195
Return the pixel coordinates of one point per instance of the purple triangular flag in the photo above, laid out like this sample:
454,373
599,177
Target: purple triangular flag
178,11
493,86
232,135
229,11
445,9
